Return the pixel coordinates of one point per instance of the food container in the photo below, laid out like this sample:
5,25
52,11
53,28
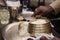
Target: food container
4,16
27,14
39,26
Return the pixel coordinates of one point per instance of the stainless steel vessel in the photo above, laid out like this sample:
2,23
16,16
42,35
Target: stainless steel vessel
11,31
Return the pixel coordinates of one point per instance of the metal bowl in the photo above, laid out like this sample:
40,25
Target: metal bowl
37,28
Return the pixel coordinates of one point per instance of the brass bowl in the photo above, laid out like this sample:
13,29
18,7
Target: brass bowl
35,27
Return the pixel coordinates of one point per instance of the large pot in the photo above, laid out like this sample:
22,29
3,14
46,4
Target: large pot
15,32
